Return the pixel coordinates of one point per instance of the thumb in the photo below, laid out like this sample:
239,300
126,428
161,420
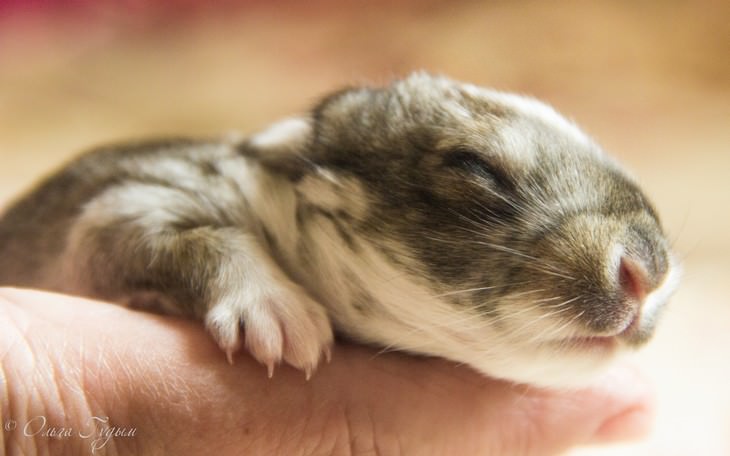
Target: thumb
618,406
433,407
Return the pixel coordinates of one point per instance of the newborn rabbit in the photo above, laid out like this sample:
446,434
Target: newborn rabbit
428,216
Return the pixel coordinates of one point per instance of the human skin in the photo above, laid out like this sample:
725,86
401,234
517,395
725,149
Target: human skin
67,360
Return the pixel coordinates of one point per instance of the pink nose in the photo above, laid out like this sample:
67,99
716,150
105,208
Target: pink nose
633,279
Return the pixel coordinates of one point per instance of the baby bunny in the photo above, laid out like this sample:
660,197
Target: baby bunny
428,216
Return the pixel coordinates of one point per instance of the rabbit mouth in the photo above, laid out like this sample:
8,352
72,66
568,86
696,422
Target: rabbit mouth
606,343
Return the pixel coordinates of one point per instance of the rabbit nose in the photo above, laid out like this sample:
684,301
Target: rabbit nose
633,280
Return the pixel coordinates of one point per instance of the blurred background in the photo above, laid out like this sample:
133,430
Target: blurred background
650,80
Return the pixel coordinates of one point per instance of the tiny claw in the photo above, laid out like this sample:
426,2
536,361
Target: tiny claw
328,354
229,356
270,369
308,373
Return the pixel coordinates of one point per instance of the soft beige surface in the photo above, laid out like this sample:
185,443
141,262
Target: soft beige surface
650,82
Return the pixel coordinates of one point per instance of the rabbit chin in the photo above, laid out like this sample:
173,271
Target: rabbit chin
553,367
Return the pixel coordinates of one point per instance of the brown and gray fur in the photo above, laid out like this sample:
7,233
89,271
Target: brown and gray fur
429,216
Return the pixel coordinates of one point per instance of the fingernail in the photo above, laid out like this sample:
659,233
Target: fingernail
631,424
631,400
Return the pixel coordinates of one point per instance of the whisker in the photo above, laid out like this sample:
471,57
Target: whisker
451,293
569,322
540,318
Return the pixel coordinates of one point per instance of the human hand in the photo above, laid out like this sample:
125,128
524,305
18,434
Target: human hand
166,388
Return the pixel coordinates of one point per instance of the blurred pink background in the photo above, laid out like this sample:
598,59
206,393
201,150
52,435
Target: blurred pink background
649,80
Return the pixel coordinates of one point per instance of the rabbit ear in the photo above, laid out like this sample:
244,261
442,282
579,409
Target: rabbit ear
282,147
